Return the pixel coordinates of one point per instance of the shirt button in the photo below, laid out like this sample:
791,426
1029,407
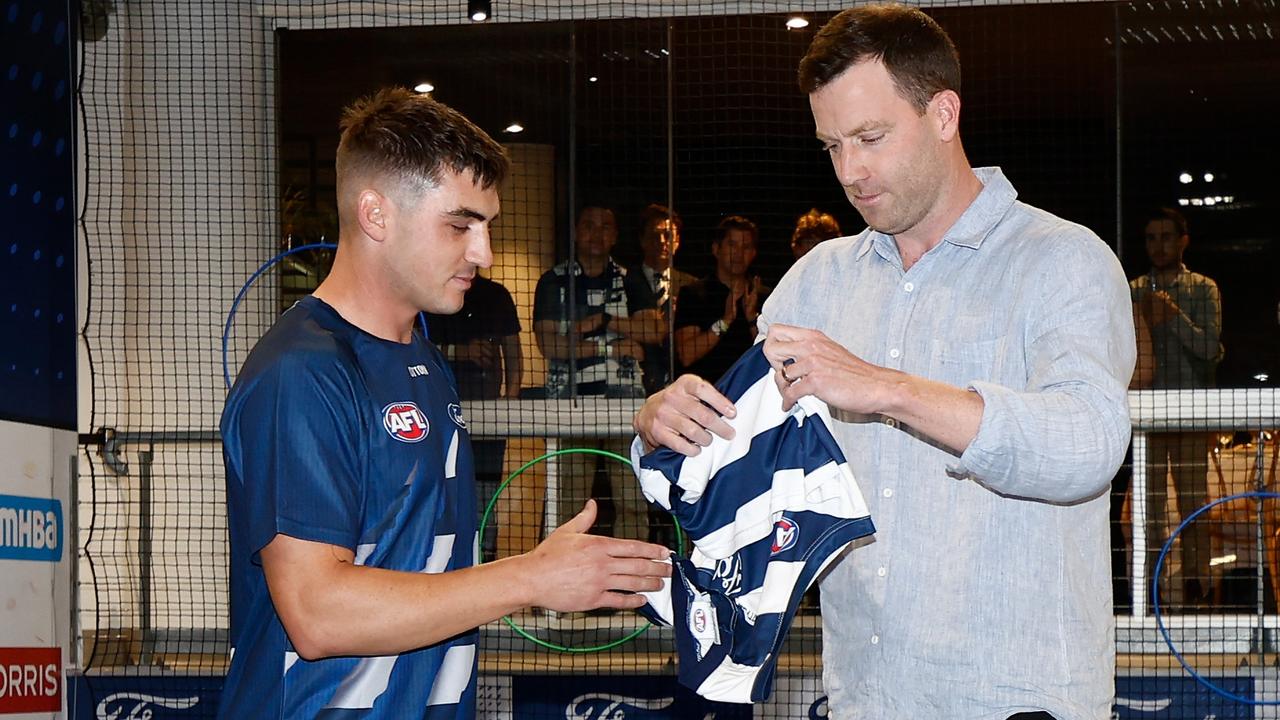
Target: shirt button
894,353
881,572
891,422
875,639
888,492
909,287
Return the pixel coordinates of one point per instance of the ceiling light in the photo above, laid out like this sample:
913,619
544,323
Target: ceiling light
1184,202
1185,178
1209,201
593,78
1208,177
796,22
479,10
423,87
1262,377
514,127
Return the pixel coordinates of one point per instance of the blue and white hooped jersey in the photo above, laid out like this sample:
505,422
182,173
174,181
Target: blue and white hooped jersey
767,512
335,436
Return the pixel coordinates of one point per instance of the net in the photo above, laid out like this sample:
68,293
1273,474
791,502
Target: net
210,131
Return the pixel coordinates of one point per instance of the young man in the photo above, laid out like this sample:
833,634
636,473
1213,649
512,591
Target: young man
974,352
655,283
593,332
349,469
716,323
585,325
1184,312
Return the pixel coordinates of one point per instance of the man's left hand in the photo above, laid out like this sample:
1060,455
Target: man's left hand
807,362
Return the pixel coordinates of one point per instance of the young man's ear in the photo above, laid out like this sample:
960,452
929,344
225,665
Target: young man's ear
372,209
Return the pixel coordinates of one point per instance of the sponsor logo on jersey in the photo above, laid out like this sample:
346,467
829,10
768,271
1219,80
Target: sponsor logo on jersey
405,422
455,414
785,534
728,573
418,371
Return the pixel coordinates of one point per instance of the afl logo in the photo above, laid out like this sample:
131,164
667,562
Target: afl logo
405,422
699,620
785,534
455,414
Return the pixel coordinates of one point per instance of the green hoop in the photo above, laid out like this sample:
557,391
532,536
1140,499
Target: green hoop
484,522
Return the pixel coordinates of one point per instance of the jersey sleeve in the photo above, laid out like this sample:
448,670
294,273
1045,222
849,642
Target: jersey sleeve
294,457
547,303
508,321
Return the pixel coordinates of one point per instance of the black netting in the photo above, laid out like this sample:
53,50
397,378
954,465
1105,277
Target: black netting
210,134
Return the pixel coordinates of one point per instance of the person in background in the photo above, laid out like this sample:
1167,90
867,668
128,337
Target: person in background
482,343
594,341
656,283
1183,310
716,318
812,228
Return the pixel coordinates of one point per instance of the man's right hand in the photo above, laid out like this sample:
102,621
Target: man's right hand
575,571
731,303
684,415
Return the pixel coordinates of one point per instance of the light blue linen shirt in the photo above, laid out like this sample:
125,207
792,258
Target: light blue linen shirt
987,590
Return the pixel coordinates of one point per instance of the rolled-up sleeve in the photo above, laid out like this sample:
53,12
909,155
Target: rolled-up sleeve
1062,437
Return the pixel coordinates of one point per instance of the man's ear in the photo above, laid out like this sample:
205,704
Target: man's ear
944,108
372,209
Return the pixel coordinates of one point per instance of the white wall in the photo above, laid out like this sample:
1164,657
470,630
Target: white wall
35,598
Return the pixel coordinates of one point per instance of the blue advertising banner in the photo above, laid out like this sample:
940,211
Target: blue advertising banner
1180,697
633,697
30,528
143,698
38,214
611,697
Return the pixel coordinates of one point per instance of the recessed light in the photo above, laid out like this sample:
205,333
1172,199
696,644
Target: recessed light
796,22
423,87
514,127
1185,178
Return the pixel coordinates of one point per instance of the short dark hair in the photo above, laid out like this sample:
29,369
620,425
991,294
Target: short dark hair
1167,213
817,225
735,222
916,51
596,203
654,213
408,134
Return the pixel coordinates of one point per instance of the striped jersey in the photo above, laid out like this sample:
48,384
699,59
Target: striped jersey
767,512
335,436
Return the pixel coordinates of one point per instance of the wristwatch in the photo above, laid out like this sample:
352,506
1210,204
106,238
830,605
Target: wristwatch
718,327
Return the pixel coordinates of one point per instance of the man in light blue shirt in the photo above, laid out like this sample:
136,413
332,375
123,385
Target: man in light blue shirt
975,352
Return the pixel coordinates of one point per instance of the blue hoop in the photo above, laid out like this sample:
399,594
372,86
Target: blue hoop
1155,596
226,329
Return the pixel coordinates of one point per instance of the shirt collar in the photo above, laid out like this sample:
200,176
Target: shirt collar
610,268
974,224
